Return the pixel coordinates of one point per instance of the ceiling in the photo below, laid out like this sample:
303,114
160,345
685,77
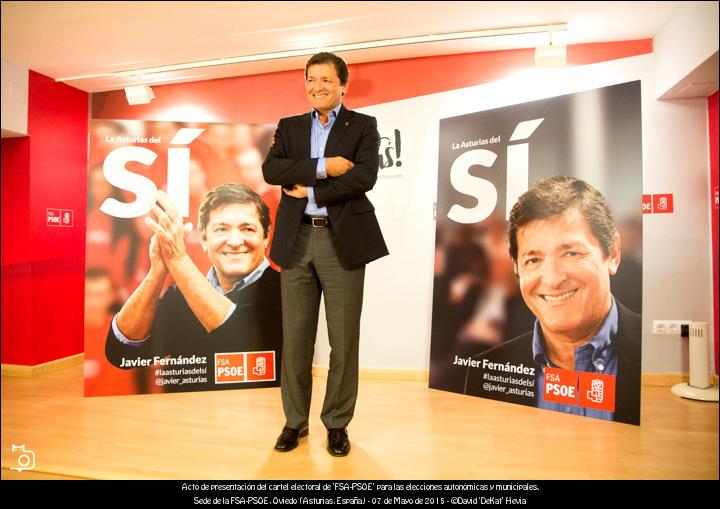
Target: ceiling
66,39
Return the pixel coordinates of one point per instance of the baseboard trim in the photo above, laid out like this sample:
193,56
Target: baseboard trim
670,379
402,375
20,371
664,379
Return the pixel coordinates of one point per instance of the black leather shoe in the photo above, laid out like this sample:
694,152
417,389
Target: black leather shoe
289,438
338,442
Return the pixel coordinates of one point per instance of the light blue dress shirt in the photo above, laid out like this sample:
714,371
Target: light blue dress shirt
212,277
318,140
597,356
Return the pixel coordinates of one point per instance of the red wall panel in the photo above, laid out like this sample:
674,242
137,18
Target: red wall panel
58,129
43,266
713,149
17,337
16,280
57,294
15,200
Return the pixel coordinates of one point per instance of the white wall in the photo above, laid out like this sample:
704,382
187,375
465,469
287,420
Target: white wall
686,42
14,99
677,278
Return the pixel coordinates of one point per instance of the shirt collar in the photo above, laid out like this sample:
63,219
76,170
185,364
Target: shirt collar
331,116
242,282
601,342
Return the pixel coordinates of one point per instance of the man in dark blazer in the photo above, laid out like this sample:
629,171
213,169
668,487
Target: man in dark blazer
326,231
235,308
565,246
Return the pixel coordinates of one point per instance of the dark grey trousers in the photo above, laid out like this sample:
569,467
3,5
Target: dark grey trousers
316,267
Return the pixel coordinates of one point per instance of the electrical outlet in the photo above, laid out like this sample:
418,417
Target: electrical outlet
669,327
659,327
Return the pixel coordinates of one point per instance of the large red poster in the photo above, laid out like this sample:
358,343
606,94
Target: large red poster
538,267
179,294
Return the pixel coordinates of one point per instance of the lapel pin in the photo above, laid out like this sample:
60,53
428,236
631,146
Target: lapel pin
347,124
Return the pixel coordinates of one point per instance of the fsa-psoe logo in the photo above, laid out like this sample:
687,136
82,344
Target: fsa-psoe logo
59,217
597,391
560,386
242,367
261,366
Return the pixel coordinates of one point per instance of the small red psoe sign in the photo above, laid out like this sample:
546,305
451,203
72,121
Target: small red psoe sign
243,367
60,217
658,204
662,203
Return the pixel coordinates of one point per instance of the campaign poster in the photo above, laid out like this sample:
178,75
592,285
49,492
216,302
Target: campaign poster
180,294
538,265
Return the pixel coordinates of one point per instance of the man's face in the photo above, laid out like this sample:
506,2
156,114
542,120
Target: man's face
234,241
323,87
565,275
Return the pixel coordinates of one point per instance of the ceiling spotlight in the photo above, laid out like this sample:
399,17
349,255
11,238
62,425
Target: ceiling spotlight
139,94
552,55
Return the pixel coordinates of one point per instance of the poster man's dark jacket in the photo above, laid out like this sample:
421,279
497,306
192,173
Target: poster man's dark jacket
255,325
353,136
517,351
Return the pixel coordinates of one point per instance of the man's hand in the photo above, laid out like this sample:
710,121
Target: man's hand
209,307
336,166
157,264
298,191
136,317
168,228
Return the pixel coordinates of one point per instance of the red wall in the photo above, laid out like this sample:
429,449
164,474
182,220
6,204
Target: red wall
713,149
42,266
16,280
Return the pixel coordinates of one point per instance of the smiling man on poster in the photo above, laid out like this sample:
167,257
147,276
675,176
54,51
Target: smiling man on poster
234,309
583,355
